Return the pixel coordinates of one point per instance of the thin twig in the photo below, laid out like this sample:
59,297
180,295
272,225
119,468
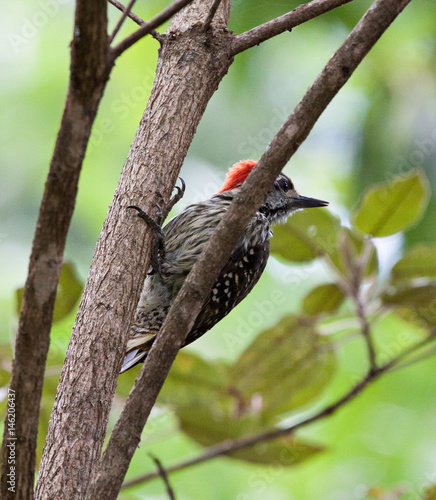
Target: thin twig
130,14
211,13
402,360
121,21
156,35
230,446
350,285
299,15
357,268
163,474
365,329
148,27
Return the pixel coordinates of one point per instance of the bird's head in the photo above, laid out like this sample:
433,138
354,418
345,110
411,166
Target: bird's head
280,201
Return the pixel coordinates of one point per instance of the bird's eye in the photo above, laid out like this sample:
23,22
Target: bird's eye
285,184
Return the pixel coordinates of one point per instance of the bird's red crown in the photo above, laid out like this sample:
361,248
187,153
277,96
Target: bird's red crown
237,174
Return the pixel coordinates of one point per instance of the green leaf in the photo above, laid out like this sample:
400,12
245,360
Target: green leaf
68,292
323,299
215,402
419,262
306,235
284,368
388,208
288,451
209,427
415,304
193,381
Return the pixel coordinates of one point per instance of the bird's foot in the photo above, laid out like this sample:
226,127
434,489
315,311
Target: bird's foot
176,198
158,248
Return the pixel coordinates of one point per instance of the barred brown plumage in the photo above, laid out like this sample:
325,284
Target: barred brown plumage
184,238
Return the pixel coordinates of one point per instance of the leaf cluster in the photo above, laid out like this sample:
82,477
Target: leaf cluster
288,366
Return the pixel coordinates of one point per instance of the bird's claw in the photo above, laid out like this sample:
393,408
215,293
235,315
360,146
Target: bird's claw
159,215
145,217
176,197
158,248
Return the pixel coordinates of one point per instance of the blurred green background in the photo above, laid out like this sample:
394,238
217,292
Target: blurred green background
382,124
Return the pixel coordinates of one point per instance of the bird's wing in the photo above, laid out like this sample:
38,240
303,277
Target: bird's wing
234,283
185,237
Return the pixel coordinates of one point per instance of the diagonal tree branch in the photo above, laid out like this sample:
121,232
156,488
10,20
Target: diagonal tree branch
126,434
89,73
299,15
163,474
148,27
129,13
126,11
211,13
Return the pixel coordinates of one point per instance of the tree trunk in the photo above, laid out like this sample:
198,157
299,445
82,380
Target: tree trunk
192,62
89,73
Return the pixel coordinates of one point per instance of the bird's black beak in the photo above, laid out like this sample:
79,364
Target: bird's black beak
305,202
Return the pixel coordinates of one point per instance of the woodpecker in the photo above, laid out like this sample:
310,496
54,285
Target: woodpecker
182,241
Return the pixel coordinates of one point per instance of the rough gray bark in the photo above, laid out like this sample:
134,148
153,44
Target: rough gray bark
89,73
192,61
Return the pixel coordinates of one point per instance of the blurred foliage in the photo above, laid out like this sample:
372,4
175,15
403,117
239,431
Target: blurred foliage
306,236
284,368
419,262
68,292
378,493
393,206
379,131
323,299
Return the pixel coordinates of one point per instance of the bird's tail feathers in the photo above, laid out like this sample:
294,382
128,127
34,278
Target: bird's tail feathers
132,358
